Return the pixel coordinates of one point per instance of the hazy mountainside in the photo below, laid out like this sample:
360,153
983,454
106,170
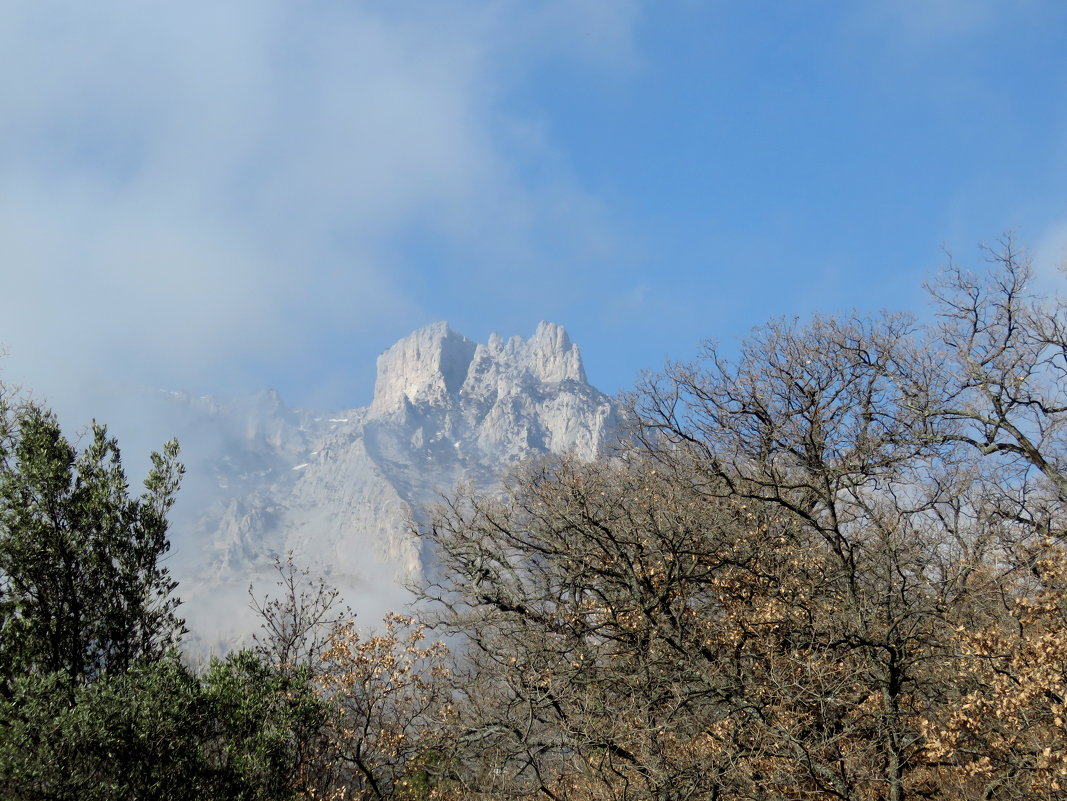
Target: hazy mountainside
338,489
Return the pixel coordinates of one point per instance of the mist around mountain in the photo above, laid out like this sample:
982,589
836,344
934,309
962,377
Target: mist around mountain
339,489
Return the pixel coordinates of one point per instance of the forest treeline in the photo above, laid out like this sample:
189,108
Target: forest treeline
830,567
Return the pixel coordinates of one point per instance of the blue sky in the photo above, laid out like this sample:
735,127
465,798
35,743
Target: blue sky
222,197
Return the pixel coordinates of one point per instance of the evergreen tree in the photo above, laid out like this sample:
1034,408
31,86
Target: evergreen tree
83,592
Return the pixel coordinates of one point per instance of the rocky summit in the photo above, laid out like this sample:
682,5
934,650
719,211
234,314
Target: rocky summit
339,489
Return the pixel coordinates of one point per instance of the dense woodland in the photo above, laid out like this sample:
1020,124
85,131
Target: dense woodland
831,567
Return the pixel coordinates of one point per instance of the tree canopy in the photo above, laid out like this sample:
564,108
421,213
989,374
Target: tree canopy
83,588
831,567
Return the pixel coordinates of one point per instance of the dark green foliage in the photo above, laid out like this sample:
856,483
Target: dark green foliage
94,700
239,733
265,726
82,590
136,735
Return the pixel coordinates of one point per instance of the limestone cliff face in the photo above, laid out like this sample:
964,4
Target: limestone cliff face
483,406
339,489
426,368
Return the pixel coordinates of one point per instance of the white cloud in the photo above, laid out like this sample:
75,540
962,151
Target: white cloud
192,188
1050,256
931,21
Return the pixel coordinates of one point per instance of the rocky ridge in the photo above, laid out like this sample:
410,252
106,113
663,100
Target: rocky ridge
338,490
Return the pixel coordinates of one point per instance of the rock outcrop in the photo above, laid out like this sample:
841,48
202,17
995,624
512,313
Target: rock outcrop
339,490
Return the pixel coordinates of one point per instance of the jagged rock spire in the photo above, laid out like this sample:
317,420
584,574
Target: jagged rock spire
434,365
424,367
338,489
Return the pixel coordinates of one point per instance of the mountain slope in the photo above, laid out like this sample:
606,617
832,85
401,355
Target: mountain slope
338,489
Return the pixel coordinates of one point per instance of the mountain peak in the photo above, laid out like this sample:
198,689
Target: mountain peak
339,489
431,365
426,366
552,356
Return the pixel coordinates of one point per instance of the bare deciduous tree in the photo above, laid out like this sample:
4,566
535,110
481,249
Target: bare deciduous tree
296,624
391,702
606,610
